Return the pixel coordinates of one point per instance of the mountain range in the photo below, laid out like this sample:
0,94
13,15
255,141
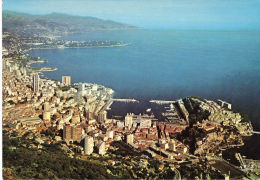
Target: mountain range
55,24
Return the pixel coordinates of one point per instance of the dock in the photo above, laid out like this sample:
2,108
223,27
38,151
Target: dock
256,132
125,100
161,101
106,106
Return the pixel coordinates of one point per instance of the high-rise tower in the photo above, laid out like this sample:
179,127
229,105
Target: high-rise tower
66,80
36,82
89,145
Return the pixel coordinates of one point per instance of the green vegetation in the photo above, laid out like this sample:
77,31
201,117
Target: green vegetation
195,97
65,88
202,171
226,168
124,149
195,112
190,136
25,163
52,132
11,102
167,174
22,61
244,117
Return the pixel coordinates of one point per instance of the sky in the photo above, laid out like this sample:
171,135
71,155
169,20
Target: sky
154,14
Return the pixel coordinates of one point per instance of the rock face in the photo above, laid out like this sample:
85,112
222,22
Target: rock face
212,111
213,127
215,141
55,24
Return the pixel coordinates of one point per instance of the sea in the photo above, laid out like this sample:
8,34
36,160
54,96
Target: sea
168,65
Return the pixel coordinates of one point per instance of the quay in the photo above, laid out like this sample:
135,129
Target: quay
106,106
248,165
161,101
225,168
240,159
125,100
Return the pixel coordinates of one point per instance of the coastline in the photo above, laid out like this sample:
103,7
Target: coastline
120,45
227,148
46,69
239,146
42,69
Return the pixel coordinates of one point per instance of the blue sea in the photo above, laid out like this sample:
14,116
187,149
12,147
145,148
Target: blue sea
168,64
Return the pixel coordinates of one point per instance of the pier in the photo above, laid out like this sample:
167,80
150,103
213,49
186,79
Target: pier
240,159
125,100
256,132
161,101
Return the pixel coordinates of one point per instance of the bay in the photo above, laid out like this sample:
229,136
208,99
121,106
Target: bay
167,64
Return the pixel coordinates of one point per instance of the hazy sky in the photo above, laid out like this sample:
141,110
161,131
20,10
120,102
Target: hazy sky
154,14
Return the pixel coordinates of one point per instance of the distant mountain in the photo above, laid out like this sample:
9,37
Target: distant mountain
55,24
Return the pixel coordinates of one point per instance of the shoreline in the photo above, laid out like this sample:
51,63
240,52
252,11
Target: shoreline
42,69
121,45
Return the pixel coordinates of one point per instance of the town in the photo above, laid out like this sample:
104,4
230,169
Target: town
192,133
19,44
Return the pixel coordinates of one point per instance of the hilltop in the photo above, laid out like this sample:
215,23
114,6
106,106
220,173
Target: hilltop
55,24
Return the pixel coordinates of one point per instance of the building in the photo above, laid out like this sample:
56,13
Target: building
185,149
102,116
120,124
89,145
67,136
75,119
224,104
47,115
102,148
165,146
82,90
72,133
118,137
46,112
46,107
110,134
92,121
130,139
36,82
81,87
172,145
24,71
17,73
76,133
66,80
154,124
145,123
4,64
89,115
128,120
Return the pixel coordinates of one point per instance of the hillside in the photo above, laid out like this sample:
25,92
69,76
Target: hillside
55,24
